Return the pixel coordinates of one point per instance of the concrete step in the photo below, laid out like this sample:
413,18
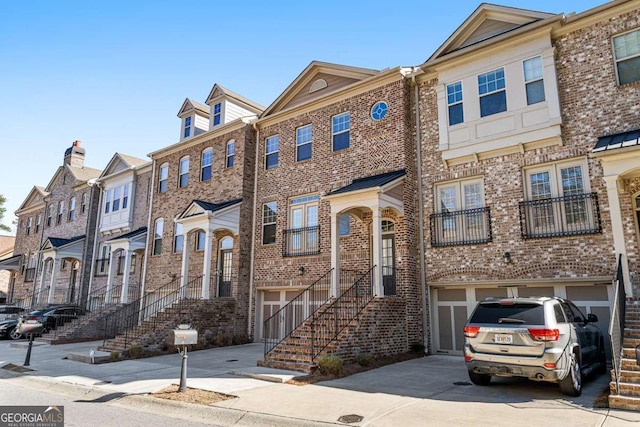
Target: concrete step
629,403
291,366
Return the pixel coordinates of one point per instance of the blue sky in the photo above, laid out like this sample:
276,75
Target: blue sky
114,74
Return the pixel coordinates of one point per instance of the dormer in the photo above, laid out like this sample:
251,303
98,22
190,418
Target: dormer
195,119
226,106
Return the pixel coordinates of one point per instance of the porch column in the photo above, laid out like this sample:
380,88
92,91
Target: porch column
206,265
108,297
184,279
124,294
617,229
376,252
335,255
42,278
54,277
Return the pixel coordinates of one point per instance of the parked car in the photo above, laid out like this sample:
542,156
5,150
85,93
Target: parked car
8,329
540,338
10,312
53,317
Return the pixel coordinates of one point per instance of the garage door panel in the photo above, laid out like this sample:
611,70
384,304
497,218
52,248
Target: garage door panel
460,319
484,293
542,291
587,293
444,329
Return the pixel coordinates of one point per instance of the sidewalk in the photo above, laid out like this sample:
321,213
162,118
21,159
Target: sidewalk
433,390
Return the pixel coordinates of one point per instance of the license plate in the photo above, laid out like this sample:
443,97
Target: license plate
503,339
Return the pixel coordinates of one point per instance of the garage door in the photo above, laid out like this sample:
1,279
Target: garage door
270,303
453,305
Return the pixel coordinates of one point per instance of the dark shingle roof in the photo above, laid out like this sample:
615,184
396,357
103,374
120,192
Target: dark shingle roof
619,140
57,242
213,207
370,182
131,234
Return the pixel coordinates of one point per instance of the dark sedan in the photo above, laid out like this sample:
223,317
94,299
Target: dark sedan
54,317
8,329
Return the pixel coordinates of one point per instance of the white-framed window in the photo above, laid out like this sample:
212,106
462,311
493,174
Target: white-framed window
187,127
231,153
125,196
460,215
178,238
38,222
304,137
49,215
72,209
344,228
103,260
29,225
217,114
183,177
454,103
163,177
303,233
493,95
157,236
269,218
121,262
533,80
271,151
206,164
558,200
84,203
108,195
201,238
626,53
116,199
60,212
340,130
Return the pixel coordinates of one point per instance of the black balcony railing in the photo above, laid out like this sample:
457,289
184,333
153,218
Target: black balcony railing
301,241
29,274
466,227
560,216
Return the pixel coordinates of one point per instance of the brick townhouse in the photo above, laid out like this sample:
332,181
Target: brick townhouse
515,199
54,238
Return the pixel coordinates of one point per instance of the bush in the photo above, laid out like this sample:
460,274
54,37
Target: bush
136,351
330,365
114,355
417,347
364,359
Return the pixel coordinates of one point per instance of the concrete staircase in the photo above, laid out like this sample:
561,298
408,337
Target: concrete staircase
89,327
628,394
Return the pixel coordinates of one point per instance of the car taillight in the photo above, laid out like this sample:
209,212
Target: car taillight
544,334
471,331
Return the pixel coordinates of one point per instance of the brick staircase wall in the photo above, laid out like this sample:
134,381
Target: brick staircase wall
628,394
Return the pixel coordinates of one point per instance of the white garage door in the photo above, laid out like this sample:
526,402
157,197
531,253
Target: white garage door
453,305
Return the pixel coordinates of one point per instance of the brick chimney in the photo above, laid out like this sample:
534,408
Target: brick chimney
74,155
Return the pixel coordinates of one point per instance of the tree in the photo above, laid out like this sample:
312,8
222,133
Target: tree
2,212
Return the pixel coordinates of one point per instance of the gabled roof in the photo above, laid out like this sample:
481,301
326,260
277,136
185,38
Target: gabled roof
315,72
81,175
36,195
199,206
618,141
486,22
218,92
189,105
57,242
370,182
121,162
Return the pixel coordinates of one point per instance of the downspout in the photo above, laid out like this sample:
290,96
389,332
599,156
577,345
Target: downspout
251,321
96,184
149,233
423,281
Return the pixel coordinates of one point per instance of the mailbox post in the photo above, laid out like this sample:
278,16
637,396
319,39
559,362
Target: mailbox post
30,328
183,336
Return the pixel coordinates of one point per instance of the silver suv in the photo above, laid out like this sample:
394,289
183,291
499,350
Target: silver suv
540,338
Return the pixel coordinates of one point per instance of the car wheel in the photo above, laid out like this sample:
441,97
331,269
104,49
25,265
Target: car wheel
602,359
479,379
15,334
571,385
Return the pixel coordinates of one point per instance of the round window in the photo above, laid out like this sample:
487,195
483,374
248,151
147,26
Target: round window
379,110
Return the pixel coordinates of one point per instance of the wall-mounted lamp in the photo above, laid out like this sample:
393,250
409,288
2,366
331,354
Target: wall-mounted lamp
301,270
507,257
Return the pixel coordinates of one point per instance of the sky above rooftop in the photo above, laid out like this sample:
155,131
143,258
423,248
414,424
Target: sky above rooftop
114,74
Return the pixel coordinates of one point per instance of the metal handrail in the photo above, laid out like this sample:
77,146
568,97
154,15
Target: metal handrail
327,324
616,328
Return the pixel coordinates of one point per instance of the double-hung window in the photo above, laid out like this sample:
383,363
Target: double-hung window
626,52
534,83
38,222
493,96
29,225
269,217
231,153
454,103
125,196
163,177
201,239
304,136
102,263
178,238
116,199
460,216
187,127
60,212
108,194
183,178
217,114
340,129
271,150
302,238
72,209
84,203
558,201
49,215
157,236
206,164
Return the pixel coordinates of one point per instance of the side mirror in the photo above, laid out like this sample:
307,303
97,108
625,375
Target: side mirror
592,318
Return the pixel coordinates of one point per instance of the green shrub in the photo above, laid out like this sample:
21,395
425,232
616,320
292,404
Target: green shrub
136,351
364,359
114,355
417,347
330,365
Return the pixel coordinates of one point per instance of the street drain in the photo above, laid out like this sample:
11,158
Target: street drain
462,383
348,419
231,360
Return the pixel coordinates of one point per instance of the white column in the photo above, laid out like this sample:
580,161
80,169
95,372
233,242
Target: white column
618,229
335,255
42,279
376,252
54,277
184,279
206,266
108,297
124,293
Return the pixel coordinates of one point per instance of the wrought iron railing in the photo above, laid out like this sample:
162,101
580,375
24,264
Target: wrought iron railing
328,323
616,328
560,216
465,227
301,241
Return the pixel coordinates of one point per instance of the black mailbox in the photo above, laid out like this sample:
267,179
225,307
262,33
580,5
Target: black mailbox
30,327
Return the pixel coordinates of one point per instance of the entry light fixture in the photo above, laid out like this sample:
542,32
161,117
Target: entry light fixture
507,257
301,270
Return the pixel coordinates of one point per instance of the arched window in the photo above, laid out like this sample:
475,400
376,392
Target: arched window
226,243
183,179
231,153
205,164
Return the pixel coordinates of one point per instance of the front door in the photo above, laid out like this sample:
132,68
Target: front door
388,261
